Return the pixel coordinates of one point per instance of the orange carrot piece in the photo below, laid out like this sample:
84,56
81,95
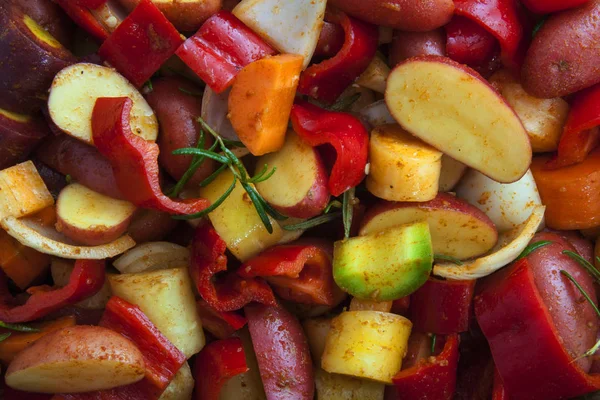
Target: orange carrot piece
571,194
261,100
18,341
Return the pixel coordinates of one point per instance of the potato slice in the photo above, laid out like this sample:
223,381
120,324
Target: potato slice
182,385
451,107
74,92
403,167
91,218
366,344
22,191
343,387
166,297
76,359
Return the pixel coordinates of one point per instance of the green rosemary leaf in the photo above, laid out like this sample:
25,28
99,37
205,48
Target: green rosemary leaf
453,260
589,300
68,178
212,207
148,84
332,204
4,336
259,205
584,263
344,103
311,223
539,25
201,152
433,342
263,175
194,165
213,176
347,211
18,328
533,247
190,93
233,143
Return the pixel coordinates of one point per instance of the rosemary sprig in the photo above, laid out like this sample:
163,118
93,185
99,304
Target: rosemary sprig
584,263
311,223
348,210
332,204
344,103
533,247
595,348
190,93
453,260
4,336
433,342
18,328
229,160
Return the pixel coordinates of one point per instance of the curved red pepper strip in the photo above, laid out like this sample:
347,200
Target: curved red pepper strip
134,160
527,350
301,273
579,135
85,281
442,307
433,378
217,363
141,43
344,132
219,324
327,80
84,19
503,19
231,292
161,358
469,43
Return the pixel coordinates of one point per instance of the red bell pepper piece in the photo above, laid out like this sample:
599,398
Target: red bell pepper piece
299,272
442,307
331,40
580,134
134,160
84,19
503,19
86,280
221,48
550,6
344,132
469,43
217,363
161,357
327,80
433,378
220,324
230,293
141,43
93,4
498,391
527,350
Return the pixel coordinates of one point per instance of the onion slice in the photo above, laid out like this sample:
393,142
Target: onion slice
510,245
153,256
48,241
215,108
376,114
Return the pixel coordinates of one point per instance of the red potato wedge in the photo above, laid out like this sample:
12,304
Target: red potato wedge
90,218
563,56
19,134
83,163
74,92
282,352
458,229
76,359
406,45
408,15
451,107
298,188
150,225
186,15
50,17
177,112
30,59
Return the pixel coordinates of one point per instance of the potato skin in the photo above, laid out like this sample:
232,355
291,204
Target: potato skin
51,17
27,65
17,139
406,45
177,113
574,319
408,15
150,225
80,344
83,163
563,57
186,16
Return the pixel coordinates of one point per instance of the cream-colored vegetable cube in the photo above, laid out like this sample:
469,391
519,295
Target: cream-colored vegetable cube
342,387
366,344
182,385
22,191
167,299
